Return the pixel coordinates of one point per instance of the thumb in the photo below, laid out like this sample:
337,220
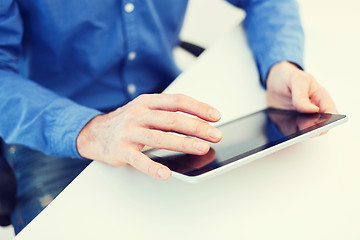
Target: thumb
301,97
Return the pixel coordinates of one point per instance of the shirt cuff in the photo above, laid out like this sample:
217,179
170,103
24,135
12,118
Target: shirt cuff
72,120
278,55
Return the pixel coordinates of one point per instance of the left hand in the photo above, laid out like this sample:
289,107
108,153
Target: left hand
288,87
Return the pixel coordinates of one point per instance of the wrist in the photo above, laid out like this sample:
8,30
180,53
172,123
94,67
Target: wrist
281,71
86,139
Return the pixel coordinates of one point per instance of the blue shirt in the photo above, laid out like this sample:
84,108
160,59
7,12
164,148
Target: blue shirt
62,62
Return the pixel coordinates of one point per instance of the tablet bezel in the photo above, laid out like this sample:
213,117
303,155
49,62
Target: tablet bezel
259,152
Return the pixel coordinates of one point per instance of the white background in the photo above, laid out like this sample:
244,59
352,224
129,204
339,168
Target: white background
332,56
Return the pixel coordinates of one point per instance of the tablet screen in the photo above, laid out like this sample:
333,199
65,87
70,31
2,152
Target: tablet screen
243,137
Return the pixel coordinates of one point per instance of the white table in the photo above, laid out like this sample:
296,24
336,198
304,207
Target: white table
308,191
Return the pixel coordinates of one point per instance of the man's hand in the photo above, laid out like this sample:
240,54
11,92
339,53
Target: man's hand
290,88
118,137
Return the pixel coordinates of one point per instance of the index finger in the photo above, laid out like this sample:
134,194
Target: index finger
182,103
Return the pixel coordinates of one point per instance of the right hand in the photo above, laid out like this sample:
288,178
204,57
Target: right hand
119,137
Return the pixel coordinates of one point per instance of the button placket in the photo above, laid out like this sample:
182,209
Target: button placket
132,41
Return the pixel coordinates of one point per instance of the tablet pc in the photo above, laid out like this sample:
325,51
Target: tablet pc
246,139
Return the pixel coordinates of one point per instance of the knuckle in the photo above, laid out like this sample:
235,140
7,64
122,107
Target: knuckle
171,122
151,170
141,98
180,98
185,145
308,79
146,135
133,113
199,127
129,116
133,160
155,139
309,76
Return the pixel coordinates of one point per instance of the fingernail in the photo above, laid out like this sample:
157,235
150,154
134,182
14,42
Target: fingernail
215,133
311,106
163,173
201,146
314,108
214,114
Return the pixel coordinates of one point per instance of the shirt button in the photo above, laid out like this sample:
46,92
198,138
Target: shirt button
131,55
129,7
131,88
12,149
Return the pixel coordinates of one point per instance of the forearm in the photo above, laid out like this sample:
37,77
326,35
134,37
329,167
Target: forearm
274,33
36,117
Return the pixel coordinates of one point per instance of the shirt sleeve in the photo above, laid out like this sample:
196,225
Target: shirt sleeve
274,32
30,114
